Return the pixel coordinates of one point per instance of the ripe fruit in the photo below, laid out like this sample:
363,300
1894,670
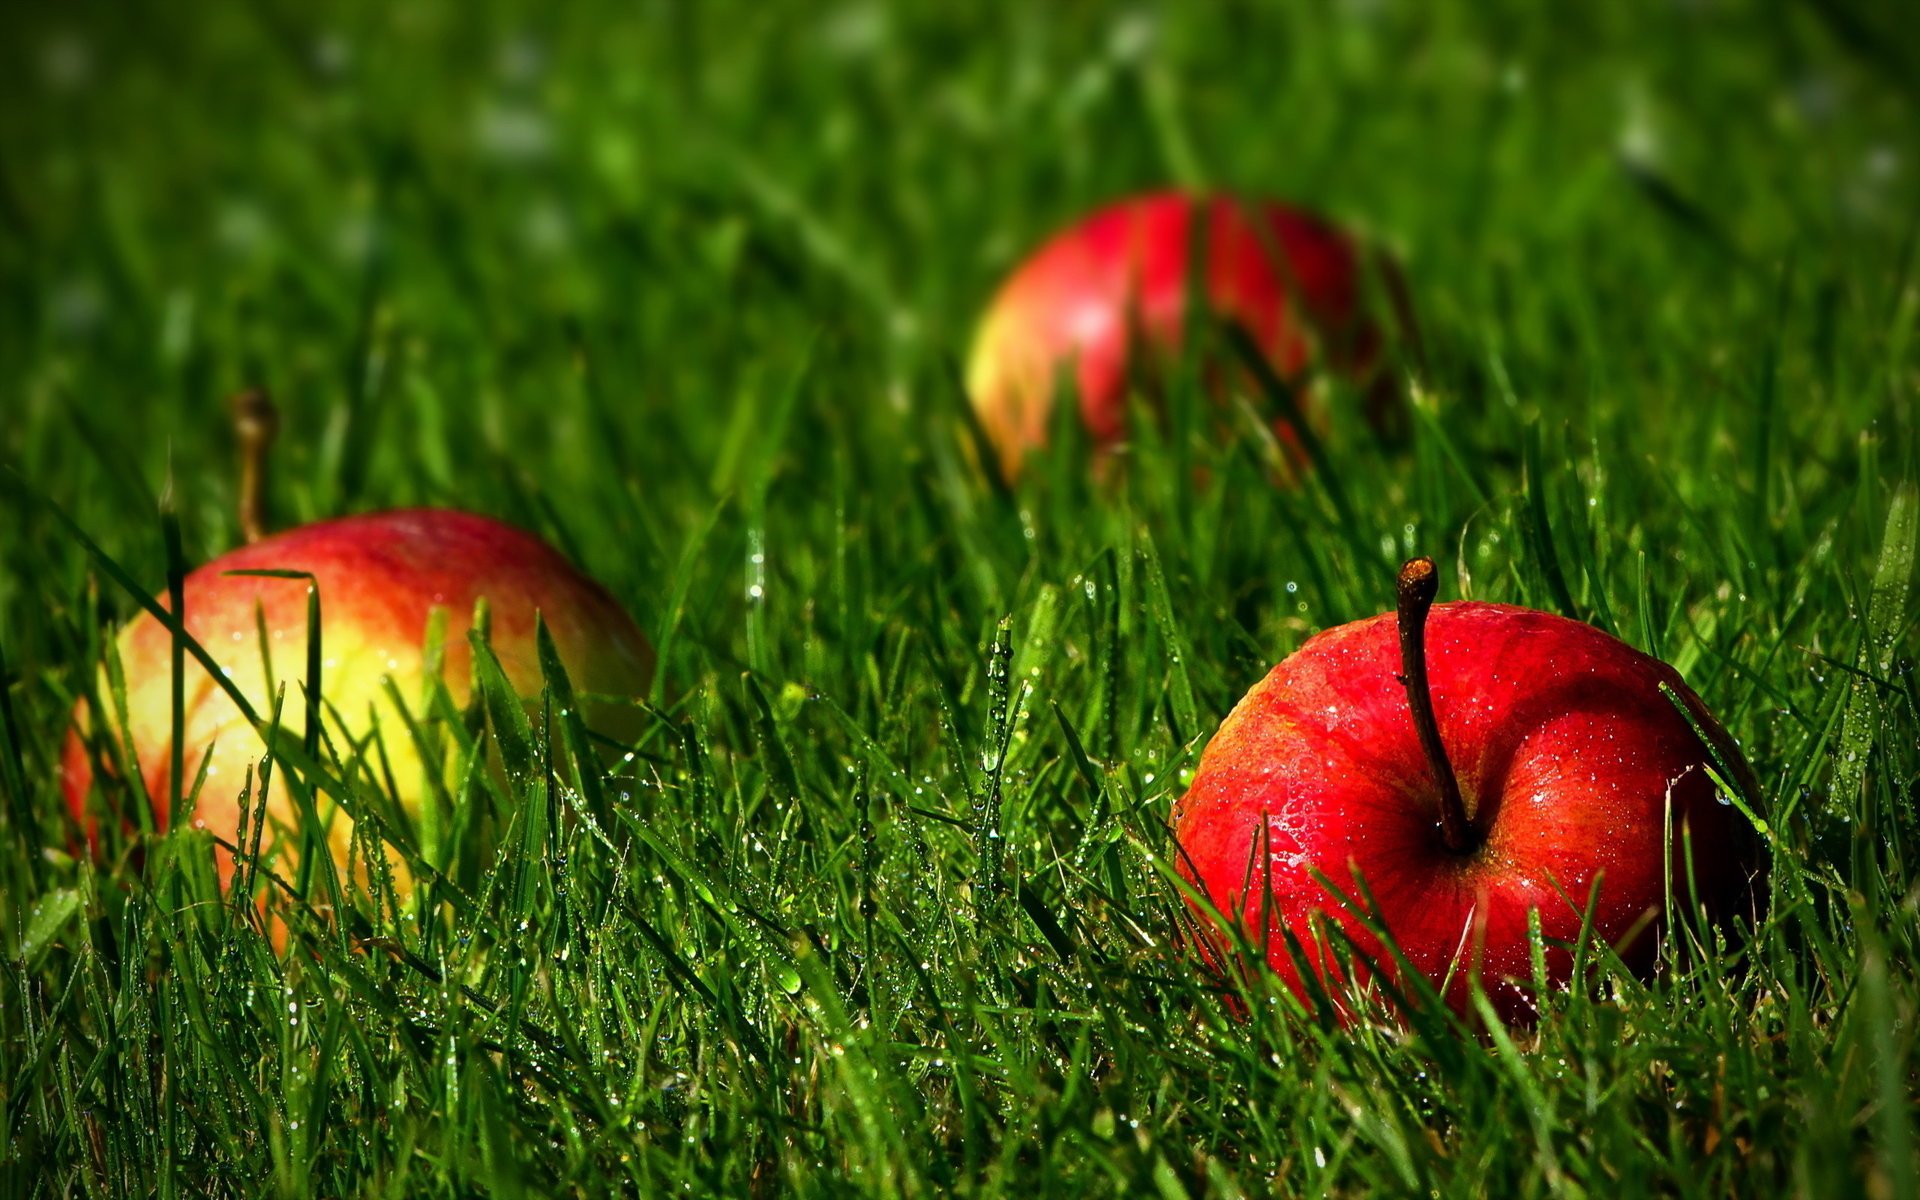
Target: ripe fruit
1289,278
381,580
1573,766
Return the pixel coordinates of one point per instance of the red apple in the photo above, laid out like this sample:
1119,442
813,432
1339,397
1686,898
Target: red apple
1575,772
1292,280
381,579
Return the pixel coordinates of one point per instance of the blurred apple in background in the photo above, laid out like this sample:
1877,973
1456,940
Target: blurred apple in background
1290,279
1575,771
381,580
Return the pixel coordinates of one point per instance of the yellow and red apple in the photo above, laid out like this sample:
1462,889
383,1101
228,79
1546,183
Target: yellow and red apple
382,578
1086,300
1580,782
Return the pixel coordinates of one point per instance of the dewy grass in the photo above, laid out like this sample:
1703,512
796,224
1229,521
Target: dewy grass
852,912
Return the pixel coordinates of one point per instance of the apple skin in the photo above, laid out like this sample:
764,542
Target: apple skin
381,576
1290,278
1567,753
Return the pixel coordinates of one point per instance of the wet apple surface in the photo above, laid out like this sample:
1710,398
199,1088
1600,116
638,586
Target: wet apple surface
1582,782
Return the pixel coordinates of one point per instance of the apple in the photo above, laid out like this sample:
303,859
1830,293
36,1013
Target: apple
1290,279
1578,781
381,578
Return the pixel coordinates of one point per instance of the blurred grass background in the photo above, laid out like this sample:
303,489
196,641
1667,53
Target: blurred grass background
683,287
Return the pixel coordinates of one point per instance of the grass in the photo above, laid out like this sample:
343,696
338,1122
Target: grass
879,903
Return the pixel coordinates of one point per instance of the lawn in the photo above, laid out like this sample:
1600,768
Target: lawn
879,900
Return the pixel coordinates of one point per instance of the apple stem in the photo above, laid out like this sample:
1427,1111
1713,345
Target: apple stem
255,421
1419,582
